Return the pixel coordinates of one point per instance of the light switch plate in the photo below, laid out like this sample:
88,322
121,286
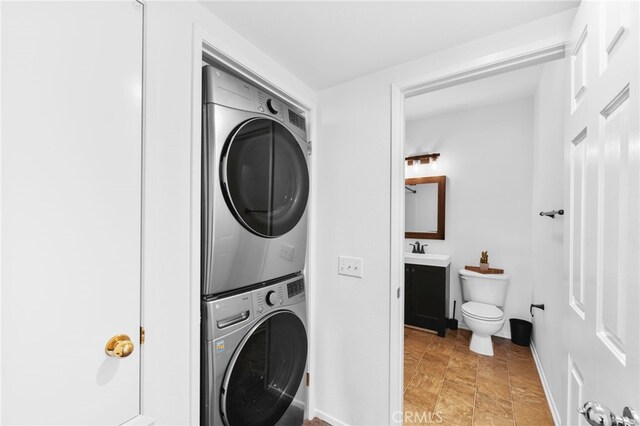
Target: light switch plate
350,266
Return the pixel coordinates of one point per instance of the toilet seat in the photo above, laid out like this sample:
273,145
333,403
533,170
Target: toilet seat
482,311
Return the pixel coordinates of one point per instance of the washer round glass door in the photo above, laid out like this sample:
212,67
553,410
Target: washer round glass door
265,372
265,179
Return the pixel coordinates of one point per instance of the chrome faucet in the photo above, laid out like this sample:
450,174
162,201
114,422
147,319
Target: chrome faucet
417,248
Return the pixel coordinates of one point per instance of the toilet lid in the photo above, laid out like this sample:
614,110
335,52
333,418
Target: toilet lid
482,311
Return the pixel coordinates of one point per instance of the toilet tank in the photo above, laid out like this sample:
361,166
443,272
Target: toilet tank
484,288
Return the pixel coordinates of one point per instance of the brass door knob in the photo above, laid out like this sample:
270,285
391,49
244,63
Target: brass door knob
119,346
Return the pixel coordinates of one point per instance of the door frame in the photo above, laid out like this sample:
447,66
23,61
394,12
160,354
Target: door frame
539,52
204,43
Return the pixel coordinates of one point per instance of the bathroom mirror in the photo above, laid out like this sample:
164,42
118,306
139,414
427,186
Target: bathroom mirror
424,207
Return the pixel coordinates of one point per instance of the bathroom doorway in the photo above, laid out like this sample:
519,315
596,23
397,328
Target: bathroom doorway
581,265
481,140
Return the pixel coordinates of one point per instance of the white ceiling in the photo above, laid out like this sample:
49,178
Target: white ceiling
326,43
500,88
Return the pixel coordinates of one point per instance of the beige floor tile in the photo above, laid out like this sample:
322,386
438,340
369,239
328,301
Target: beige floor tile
433,369
440,347
461,333
500,408
436,357
528,378
501,341
487,418
456,361
500,347
424,400
411,361
531,378
459,387
463,343
426,382
453,414
499,352
523,369
462,375
492,361
530,395
528,416
494,386
458,394
410,367
415,347
416,336
495,372
521,350
406,379
463,353
414,415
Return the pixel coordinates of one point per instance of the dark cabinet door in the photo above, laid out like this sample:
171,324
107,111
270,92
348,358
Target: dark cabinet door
426,297
407,293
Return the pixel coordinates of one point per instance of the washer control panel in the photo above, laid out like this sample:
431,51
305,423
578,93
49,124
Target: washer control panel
278,295
294,288
267,298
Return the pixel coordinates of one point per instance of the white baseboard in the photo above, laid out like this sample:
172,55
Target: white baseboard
545,385
329,419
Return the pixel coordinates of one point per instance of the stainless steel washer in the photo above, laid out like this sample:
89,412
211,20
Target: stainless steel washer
255,356
255,185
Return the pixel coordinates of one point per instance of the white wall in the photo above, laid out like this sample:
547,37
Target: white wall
353,218
171,390
486,155
548,177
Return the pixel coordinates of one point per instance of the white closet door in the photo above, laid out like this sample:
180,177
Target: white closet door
71,210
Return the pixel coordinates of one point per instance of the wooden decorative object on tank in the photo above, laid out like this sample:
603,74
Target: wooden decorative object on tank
484,271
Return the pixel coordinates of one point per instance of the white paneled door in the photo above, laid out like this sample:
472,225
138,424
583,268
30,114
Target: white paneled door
603,197
71,211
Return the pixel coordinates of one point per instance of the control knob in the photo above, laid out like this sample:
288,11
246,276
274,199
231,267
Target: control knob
271,107
271,298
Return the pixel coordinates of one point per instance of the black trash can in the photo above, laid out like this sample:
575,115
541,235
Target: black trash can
520,331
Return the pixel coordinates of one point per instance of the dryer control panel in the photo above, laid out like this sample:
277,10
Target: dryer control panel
229,90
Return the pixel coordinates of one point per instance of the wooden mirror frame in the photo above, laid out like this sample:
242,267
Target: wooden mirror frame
442,184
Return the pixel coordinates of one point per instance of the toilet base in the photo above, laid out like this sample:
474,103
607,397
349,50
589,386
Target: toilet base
481,344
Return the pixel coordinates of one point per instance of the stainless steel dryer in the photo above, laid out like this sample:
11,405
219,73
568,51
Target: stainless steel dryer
255,185
255,356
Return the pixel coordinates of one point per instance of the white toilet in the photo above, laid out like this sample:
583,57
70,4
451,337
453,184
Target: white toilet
483,294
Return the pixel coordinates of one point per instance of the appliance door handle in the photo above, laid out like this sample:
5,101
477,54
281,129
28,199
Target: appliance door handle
463,278
233,321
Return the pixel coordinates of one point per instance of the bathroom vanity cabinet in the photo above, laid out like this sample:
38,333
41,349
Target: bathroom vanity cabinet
426,300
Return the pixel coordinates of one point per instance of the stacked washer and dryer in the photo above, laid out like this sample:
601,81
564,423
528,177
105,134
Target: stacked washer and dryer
255,187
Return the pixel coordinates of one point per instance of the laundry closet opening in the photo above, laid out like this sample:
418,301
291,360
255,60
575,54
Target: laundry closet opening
255,190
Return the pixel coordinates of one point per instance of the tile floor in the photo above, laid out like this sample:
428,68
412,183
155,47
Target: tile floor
459,387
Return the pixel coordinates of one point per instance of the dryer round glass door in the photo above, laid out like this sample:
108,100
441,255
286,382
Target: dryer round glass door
264,175
265,372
